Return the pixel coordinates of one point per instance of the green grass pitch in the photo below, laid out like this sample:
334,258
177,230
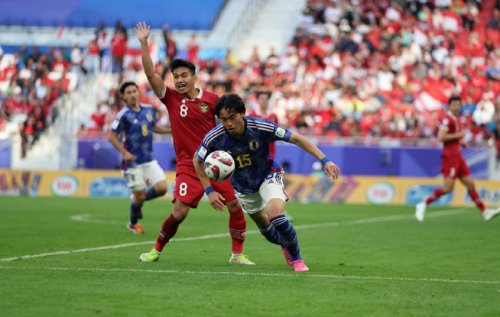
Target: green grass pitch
74,257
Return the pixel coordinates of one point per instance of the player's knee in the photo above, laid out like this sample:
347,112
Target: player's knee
234,206
161,188
140,197
180,212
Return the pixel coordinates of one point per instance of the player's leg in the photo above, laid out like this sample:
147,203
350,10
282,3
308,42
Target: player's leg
135,181
155,175
449,171
466,179
237,222
254,207
187,194
274,197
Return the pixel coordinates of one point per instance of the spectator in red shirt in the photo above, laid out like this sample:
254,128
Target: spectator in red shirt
192,49
118,50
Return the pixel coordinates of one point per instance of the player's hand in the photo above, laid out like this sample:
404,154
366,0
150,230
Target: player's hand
128,157
332,170
142,30
464,145
217,201
460,134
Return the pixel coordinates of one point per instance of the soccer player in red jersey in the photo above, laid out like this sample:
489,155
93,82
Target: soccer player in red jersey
453,165
192,115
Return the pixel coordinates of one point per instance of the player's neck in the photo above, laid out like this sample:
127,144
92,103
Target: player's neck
135,107
192,94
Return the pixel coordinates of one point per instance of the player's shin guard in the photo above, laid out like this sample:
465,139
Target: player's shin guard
477,200
168,230
151,193
434,196
288,236
272,235
135,212
237,229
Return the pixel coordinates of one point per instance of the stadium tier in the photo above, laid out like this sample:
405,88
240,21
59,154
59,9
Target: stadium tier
89,13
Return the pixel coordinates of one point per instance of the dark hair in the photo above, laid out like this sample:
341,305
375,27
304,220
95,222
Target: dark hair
176,63
454,98
230,102
124,86
263,92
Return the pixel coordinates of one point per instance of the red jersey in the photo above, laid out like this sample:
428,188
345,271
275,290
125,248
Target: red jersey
273,118
190,120
451,149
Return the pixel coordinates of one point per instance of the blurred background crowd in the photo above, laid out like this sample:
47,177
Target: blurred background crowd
354,68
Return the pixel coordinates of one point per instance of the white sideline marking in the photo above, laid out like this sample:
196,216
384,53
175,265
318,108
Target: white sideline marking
439,213
85,218
307,275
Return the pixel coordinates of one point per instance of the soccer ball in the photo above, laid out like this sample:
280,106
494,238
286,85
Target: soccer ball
219,165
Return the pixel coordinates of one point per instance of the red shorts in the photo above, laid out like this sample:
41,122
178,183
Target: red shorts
188,190
454,167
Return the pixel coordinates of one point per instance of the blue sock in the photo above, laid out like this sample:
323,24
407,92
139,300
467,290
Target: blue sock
271,234
288,236
151,193
135,212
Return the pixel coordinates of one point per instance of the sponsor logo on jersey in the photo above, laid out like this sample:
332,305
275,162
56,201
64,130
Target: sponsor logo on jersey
203,107
253,145
280,132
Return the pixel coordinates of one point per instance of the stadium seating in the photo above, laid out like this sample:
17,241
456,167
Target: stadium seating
90,13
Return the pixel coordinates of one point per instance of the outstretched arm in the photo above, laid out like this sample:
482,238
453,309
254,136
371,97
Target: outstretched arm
142,30
330,168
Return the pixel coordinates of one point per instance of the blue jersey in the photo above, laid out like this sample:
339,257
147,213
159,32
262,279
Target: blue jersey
136,131
250,152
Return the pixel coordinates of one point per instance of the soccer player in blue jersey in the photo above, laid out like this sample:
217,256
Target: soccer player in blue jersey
257,178
134,125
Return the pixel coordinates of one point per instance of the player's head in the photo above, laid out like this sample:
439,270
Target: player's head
129,92
184,73
230,109
455,105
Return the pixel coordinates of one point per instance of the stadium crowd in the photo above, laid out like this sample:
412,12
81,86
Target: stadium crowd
354,68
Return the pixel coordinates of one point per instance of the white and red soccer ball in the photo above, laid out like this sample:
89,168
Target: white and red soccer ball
219,165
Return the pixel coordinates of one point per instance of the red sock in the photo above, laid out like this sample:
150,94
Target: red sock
434,196
237,229
168,230
477,200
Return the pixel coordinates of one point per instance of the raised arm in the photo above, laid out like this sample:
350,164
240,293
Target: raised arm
142,30
330,168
